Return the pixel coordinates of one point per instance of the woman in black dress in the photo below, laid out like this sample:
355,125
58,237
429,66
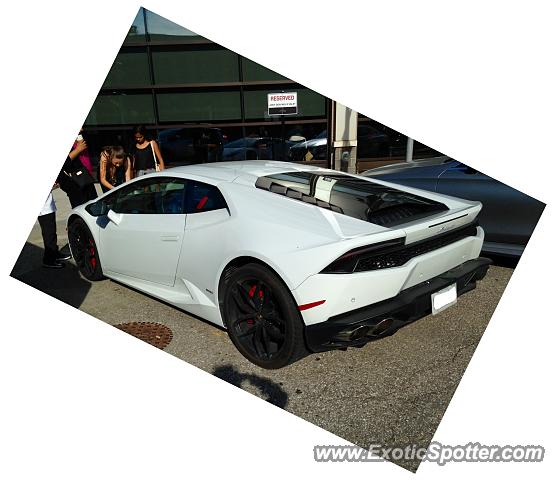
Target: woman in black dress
145,152
115,168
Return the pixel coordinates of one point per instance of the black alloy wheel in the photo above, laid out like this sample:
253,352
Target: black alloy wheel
84,250
262,318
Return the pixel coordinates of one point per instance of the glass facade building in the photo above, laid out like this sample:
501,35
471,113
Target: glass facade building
203,102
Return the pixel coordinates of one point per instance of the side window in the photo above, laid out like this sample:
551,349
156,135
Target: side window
153,196
202,197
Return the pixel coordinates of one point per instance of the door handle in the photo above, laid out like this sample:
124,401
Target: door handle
169,238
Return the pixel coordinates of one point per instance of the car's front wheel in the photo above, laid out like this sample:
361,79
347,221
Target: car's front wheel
84,250
262,318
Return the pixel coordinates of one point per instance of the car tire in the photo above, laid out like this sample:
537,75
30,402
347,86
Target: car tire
84,250
262,318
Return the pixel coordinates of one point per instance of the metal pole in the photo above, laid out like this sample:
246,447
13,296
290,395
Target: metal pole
409,151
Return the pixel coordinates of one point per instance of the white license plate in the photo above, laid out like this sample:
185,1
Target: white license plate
444,298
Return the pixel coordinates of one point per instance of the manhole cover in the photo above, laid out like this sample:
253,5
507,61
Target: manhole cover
156,334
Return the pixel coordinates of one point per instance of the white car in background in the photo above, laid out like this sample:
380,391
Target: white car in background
288,258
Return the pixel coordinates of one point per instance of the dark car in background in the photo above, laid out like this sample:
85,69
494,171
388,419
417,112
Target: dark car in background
371,142
313,149
254,148
508,215
258,148
189,145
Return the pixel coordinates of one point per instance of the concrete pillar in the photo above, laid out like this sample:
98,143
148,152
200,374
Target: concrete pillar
343,138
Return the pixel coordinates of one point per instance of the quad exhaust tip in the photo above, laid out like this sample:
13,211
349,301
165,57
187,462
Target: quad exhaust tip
369,331
359,332
381,327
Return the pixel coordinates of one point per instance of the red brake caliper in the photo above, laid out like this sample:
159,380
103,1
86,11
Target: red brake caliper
252,294
92,258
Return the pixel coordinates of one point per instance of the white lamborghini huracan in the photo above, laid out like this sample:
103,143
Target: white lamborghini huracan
288,258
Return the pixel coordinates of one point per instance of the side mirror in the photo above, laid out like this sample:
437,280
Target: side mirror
114,217
97,208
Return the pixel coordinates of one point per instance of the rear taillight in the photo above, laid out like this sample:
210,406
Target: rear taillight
394,253
347,263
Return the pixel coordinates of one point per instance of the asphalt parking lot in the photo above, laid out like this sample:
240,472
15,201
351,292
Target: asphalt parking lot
392,392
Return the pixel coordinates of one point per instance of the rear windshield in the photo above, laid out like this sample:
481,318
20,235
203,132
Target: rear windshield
352,196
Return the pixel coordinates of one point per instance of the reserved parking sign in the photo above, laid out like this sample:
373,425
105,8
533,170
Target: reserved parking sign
282,103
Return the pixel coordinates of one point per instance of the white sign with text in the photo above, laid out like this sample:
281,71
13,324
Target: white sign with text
284,103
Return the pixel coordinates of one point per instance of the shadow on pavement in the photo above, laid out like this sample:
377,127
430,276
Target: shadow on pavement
271,391
65,284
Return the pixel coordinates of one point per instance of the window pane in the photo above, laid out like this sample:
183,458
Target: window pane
355,197
136,32
129,69
203,66
254,147
161,29
275,142
202,106
309,143
202,197
121,109
171,197
372,142
309,103
133,200
377,141
97,139
422,151
191,145
164,196
253,72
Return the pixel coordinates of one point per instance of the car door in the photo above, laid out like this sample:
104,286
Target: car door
508,216
206,235
144,235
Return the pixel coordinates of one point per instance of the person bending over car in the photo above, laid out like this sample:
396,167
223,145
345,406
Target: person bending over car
115,168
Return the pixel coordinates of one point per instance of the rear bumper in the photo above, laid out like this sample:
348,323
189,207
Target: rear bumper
357,327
